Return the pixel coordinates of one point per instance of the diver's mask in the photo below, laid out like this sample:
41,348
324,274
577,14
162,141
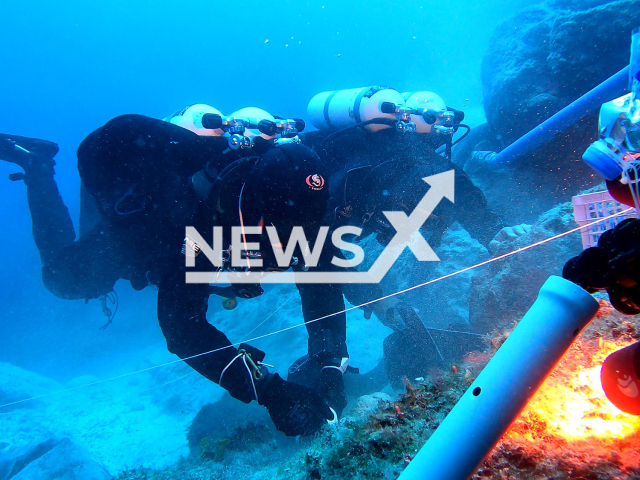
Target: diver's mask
614,155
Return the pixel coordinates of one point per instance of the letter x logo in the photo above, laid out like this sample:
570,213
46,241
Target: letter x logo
407,235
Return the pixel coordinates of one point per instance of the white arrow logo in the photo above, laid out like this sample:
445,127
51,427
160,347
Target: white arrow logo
407,236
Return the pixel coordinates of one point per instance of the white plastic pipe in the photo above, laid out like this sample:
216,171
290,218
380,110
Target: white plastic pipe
495,399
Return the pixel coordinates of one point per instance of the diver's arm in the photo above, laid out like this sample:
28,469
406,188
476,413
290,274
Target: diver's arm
328,335
182,314
320,300
326,322
182,308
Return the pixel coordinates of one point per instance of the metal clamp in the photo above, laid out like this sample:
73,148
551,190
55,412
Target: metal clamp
256,371
238,141
405,127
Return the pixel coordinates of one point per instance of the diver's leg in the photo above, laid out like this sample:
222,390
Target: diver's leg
52,225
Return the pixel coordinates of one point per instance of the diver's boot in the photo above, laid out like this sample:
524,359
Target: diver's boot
51,224
331,384
33,155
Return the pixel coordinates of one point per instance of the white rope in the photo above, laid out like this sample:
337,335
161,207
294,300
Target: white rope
435,345
253,384
225,368
444,277
270,315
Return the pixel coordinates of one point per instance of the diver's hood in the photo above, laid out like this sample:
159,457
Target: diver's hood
287,187
132,152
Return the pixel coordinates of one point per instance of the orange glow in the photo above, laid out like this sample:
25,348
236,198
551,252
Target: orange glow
571,404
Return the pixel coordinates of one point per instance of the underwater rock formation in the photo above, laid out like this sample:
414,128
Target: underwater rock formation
538,62
380,433
220,421
504,290
542,59
53,458
435,303
16,384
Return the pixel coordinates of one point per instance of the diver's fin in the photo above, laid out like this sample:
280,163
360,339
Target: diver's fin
21,150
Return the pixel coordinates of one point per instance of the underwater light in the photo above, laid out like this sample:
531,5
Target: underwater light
620,381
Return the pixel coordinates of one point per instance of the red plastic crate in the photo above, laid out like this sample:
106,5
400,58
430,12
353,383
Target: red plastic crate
588,208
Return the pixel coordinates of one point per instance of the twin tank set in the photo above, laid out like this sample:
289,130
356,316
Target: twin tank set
373,108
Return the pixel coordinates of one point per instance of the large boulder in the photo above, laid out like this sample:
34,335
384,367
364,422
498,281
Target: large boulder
504,290
542,59
221,421
58,458
21,388
537,63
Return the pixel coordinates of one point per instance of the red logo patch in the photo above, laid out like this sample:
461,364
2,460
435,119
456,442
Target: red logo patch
315,182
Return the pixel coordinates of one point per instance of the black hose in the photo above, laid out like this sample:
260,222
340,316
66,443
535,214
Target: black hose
378,121
463,135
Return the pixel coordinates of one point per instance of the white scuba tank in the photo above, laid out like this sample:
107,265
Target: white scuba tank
339,109
190,117
424,99
254,115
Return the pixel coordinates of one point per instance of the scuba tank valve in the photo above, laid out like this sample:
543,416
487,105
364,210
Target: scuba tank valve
245,124
430,111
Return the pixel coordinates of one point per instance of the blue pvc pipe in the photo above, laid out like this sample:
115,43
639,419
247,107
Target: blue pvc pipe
504,387
608,90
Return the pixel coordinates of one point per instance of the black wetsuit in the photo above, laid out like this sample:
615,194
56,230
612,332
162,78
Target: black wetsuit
117,246
144,248
383,171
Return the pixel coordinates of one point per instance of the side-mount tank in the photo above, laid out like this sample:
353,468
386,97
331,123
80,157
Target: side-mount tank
339,109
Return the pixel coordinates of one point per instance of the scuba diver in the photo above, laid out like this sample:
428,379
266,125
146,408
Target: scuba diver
380,158
614,264
379,144
146,177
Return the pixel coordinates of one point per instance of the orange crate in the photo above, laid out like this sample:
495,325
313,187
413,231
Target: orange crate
588,208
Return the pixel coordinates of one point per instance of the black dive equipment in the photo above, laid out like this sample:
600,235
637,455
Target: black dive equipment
378,108
620,377
614,265
284,129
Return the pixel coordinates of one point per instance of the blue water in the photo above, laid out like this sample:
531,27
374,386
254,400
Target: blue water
68,67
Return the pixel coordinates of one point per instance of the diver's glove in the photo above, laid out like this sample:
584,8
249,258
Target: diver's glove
614,266
331,384
294,409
